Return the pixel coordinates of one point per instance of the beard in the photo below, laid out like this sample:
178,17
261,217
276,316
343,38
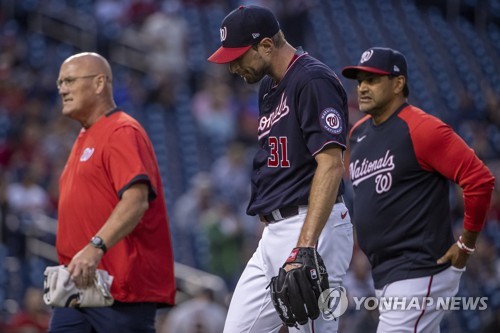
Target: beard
255,75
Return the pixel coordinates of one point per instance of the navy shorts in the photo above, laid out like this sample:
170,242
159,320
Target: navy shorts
119,318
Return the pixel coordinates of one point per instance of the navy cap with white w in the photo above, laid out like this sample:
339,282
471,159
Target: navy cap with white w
382,61
243,27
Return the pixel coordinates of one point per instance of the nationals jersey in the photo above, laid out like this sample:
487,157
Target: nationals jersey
400,171
106,159
300,116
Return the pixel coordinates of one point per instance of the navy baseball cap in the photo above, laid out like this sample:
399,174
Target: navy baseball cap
243,27
380,60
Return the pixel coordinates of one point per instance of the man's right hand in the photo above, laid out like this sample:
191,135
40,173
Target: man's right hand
83,266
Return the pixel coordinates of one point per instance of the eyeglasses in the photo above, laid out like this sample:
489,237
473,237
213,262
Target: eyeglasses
69,81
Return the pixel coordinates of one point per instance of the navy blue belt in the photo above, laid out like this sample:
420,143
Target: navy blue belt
286,212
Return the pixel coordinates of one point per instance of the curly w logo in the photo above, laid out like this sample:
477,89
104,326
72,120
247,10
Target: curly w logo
223,34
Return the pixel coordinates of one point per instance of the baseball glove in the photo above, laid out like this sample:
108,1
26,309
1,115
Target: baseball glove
295,293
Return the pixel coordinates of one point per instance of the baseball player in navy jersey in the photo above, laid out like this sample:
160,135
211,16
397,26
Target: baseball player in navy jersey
401,161
297,170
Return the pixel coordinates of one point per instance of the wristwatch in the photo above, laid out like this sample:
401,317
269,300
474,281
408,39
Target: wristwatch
98,243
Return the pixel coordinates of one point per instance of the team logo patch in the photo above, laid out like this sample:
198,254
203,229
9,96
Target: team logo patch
87,152
331,120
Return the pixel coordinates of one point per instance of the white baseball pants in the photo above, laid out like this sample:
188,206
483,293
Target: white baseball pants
251,309
421,319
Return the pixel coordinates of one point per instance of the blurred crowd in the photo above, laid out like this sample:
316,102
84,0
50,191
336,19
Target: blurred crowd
204,146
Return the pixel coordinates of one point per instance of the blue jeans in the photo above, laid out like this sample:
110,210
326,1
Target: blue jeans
119,318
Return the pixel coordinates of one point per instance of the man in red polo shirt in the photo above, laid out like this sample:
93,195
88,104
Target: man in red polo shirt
112,213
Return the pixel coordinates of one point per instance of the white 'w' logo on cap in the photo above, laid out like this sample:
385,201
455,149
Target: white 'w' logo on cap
366,56
223,34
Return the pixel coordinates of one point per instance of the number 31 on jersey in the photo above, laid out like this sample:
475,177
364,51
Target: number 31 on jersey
278,153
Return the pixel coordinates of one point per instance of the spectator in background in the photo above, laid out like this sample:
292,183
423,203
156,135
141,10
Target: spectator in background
107,11
4,210
223,231
201,314
34,316
247,112
190,243
230,178
28,144
164,35
137,12
229,175
60,133
212,108
359,283
27,195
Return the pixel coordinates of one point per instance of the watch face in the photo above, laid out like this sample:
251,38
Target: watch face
97,241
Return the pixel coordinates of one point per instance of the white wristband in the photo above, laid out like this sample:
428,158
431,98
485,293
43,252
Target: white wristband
464,247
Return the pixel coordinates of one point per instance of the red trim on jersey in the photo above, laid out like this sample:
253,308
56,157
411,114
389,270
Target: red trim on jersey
423,310
439,149
359,122
294,59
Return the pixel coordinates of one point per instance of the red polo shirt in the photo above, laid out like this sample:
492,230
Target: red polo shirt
105,161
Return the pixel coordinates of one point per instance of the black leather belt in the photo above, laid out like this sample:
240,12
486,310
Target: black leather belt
287,212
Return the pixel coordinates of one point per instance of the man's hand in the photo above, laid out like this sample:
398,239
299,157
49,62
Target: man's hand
457,257
83,266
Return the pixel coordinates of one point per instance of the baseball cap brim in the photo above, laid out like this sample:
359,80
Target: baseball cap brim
227,54
351,72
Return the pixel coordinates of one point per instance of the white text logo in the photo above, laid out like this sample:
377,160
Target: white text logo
361,171
265,123
333,303
421,303
283,308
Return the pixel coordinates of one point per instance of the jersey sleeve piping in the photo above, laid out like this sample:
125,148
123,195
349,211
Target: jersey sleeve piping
328,144
142,178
